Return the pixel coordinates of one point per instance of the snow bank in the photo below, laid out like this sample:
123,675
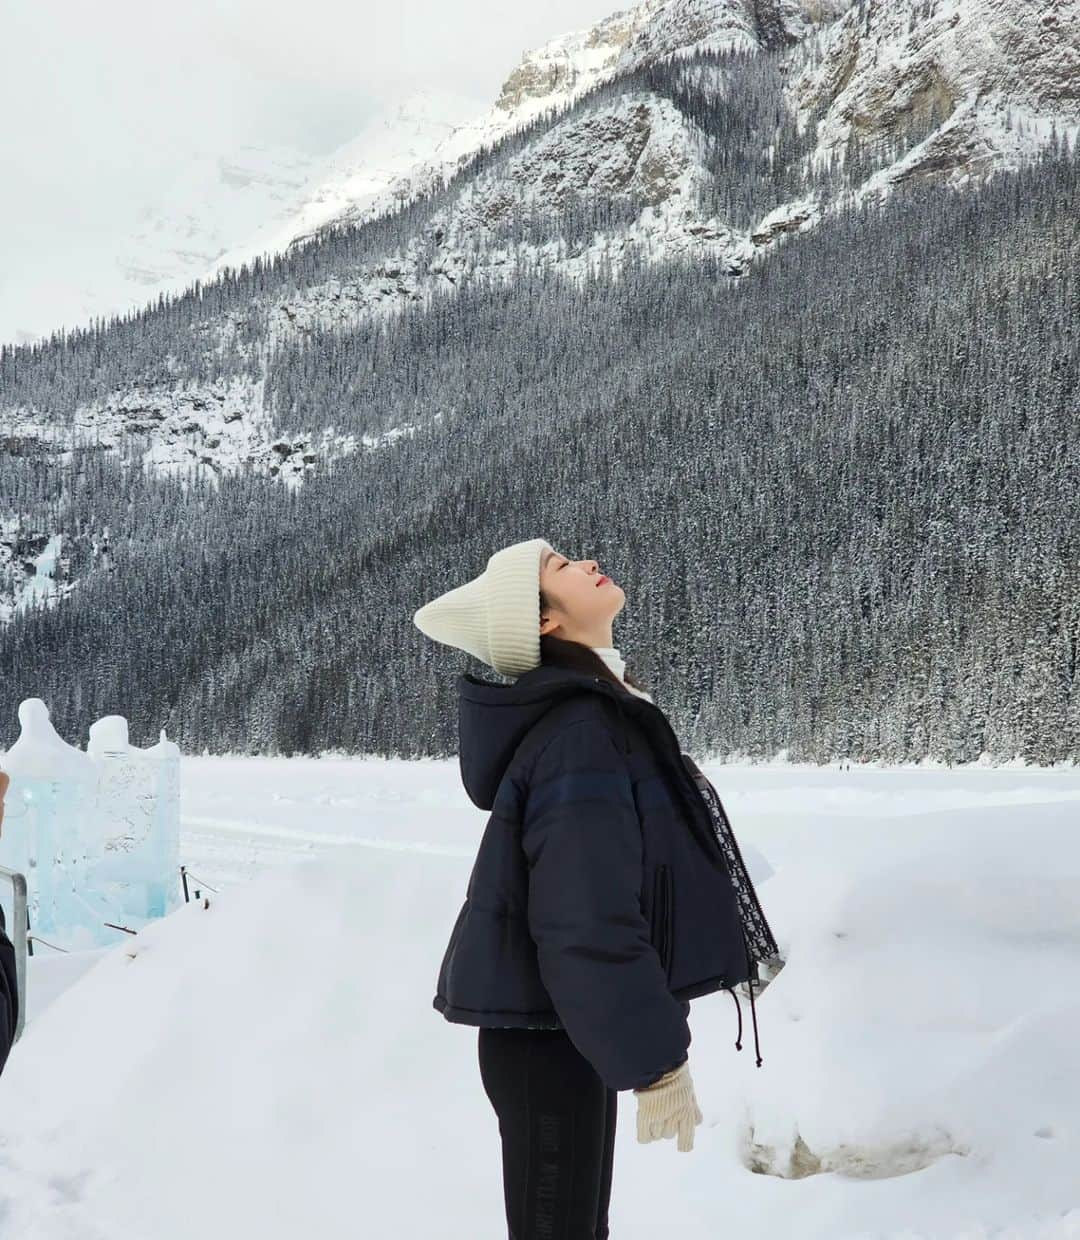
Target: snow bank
261,1066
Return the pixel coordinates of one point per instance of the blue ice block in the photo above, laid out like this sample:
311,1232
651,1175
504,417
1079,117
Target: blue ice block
96,833
139,804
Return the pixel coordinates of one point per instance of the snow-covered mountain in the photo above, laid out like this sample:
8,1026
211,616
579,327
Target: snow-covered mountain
397,139
995,74
159,245
985,82
219,209
868,68
958,87
551,78
412,145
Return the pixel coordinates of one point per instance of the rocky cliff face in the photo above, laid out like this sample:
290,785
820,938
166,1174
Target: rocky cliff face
982,80
556,73
965,66
553,77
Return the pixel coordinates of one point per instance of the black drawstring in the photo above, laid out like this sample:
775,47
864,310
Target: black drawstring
738,1036
750,988
753,1010
753,1013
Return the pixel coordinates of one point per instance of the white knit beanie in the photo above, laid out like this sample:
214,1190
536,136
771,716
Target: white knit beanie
496,616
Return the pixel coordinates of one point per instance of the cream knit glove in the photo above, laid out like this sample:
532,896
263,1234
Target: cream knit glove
668,1107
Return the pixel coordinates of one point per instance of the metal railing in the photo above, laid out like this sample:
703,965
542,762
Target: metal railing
18,937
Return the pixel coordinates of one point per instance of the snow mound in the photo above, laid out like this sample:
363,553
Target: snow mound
239,1064
927,1012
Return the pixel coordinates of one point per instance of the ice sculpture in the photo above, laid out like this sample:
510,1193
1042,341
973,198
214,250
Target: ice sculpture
139,797
95,833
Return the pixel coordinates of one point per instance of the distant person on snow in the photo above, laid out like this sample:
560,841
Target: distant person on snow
606,893
9,986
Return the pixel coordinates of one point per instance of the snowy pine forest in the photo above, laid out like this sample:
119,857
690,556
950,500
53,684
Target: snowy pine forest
835,469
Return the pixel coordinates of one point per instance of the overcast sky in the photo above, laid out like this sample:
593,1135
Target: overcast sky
98,96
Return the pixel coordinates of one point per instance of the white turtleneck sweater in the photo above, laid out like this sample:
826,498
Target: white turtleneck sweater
614,660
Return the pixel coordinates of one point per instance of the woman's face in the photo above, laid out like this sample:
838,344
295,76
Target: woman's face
581,601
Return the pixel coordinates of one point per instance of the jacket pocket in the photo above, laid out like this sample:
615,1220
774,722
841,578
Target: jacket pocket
662,915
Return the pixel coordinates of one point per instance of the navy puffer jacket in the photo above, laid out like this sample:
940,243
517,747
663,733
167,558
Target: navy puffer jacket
599,901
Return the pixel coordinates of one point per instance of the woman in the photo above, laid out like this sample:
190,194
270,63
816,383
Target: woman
602,898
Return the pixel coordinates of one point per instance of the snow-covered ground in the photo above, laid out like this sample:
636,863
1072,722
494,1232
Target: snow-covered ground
271,1065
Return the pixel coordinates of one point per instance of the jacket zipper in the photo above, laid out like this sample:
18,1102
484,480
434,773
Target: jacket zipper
695,801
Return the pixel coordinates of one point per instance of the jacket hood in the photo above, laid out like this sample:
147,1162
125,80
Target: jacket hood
494,718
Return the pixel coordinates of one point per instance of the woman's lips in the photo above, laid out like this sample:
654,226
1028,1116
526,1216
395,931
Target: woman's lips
602,580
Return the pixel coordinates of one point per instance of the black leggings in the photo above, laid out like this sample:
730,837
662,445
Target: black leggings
557,1126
